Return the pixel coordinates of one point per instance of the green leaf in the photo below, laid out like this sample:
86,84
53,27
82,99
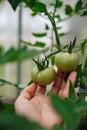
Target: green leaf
1,106
68,10
78,6
84,13
30,53
13,122
65,109
83,46
33,14
84,81
74,42
13,55
59,4
1,50
39,34
84,66
52,4
58,17
53,60
30,3
56,127
36,44
40,44
62,34
79,74
10,56
72,95
14,3
40,7
46,27
81,107
8,108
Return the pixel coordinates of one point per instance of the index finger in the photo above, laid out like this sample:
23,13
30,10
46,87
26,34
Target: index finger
57,83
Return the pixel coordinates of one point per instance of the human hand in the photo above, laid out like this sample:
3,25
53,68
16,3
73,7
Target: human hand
35,106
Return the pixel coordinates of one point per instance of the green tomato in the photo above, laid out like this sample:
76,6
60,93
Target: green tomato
66,62
43,77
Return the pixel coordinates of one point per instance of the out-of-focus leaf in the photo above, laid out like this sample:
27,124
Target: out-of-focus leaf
53,60
74,42
13,54
84,81
59,4
36,44
40,7
84,13
62,34
84,66
46,27
10,55
30,53
68,10
39,34
56,127
40,44
80,107
1,106
78,6
1,50
33,14
79,73
14,3
72,95
8,108
13,122
58,17
65,109
83,46
52,4
30,3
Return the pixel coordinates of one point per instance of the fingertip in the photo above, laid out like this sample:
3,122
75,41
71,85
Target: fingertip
29,91
72,75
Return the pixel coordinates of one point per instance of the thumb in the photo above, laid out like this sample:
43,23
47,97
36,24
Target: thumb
29,91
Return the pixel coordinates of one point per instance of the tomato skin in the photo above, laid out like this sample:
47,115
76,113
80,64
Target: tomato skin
43,77
66,62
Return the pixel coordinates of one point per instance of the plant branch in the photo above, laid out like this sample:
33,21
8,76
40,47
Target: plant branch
55,30
7,82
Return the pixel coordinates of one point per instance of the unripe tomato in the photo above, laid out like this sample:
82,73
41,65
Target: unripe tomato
43,77
66,62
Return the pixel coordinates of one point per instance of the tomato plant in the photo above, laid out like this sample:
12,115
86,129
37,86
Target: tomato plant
66,62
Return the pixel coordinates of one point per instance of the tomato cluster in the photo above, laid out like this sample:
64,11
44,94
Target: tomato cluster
65,62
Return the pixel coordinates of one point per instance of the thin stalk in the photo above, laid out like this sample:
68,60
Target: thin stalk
54,11
52,54
10,83
55,30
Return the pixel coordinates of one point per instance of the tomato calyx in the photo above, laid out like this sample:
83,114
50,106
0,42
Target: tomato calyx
42,62
71,46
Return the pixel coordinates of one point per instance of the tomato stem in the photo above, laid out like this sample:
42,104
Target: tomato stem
42,64
40,67
55,31
52,54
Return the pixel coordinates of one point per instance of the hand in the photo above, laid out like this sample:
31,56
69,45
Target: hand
35,106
